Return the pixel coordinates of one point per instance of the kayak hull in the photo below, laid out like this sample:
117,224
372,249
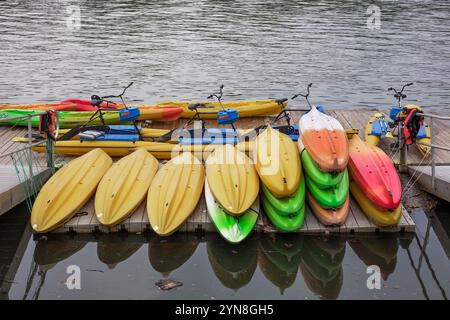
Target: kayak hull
232,178
124,187
68,190
232,229
373,171
329,217
277,162
325,140
382,218
174,193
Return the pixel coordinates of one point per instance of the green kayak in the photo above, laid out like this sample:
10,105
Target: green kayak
233,229
333,197
289,223
321,179
67,119
286,206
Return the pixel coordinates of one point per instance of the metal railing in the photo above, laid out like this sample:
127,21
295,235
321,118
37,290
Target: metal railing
432,145
30,144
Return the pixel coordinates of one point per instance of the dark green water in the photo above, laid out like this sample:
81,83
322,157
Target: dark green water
121,266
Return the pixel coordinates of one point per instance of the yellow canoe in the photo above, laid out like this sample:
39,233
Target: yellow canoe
68,190
382,218
245,108
277,162
174,193
232,179
124,187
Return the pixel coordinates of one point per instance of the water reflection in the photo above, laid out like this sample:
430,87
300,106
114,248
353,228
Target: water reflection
49,252
169,254
113,250
382,252
321,265
233,265
279,257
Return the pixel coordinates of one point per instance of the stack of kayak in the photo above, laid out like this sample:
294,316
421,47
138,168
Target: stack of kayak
277,162
231,192
374,183
324,153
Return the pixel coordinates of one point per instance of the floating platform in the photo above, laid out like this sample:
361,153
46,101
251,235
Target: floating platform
14,190
86,222
441,187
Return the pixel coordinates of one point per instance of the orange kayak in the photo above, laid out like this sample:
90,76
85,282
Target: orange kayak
329,217
325,140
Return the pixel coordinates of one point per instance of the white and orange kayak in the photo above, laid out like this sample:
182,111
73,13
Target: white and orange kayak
325,140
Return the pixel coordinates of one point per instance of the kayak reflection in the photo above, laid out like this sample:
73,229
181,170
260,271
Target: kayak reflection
112,250
321,265
170,253
279,257
379,250
48,253
233,264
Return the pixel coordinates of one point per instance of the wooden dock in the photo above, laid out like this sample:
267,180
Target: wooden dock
442,180
86,222
14,191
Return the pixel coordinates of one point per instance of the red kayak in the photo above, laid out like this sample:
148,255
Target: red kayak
375,174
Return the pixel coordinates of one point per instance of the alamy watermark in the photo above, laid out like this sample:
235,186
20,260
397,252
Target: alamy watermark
374,280
73,281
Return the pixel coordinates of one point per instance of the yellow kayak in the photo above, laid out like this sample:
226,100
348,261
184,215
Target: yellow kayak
124,187
159,150
245,108
68,190
277,162
382,218
232,179
174,193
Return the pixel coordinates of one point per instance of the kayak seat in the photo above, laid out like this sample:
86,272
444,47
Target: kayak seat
129,114
109,137
124,129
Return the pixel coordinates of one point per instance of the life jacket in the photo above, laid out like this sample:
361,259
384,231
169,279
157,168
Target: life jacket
412,123
47,124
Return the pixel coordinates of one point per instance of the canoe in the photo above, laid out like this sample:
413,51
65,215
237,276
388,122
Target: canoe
232,229
277,162
232,178
174,193
382,218
124,187
68,190
288,205
375,174
333,197
284,223
322,180
65,105
329,217
245,108
325,140
69,119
